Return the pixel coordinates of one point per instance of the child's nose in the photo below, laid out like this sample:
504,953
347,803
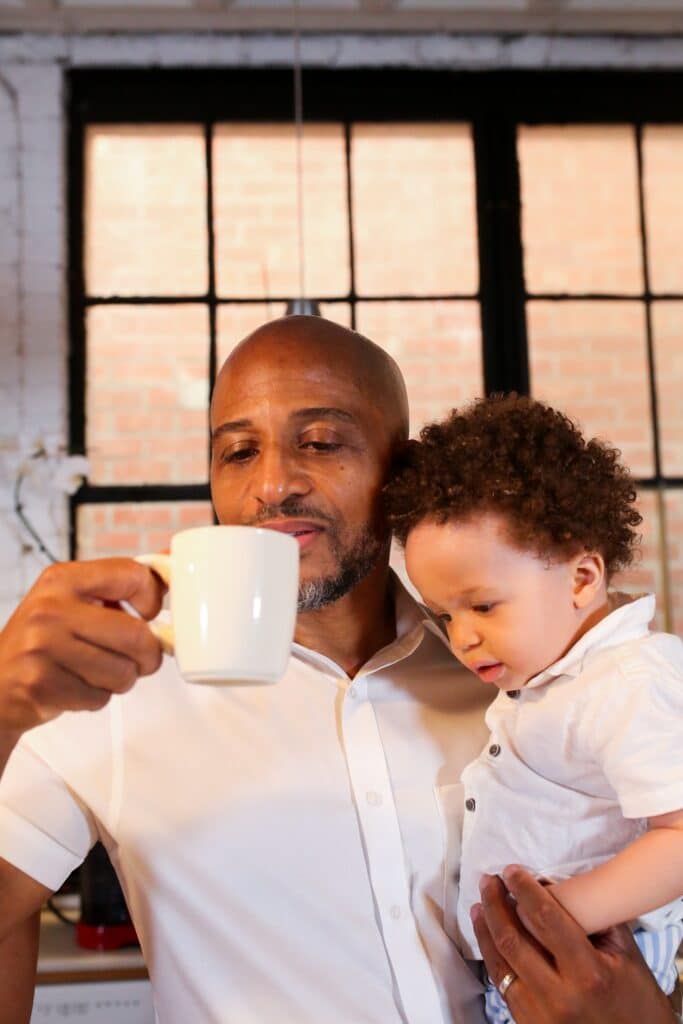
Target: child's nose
462,635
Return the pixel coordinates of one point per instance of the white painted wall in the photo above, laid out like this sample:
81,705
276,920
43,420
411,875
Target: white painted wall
33,340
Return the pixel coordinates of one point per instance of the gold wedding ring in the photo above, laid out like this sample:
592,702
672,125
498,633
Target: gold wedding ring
506,982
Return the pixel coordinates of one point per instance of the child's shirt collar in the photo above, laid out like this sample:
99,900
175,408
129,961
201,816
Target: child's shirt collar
628,619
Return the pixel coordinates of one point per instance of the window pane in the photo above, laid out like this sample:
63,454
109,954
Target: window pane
255,201
662,176
414,217
575,350
235,322
145,210
580,223
645,574
105,531
340,312
667,326
147,394
438,347
673,502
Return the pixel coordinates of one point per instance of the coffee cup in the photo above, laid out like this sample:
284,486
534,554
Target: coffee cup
233,601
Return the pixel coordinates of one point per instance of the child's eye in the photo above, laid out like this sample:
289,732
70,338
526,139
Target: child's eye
443,617
484,607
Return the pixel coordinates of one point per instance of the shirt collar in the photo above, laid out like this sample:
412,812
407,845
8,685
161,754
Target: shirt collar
411,619
628,619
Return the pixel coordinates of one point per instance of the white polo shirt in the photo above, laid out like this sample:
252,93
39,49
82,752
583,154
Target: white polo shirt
578,759
287,851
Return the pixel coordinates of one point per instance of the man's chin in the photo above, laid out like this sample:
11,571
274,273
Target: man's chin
318,592
319,589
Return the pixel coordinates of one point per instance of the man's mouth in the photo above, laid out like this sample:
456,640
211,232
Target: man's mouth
488,671
304,531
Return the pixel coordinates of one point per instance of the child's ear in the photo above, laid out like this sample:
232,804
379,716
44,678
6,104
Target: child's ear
589,577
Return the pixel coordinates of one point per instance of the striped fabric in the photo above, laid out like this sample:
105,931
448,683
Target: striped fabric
658,948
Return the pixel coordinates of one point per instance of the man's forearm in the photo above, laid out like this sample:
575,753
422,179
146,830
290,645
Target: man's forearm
18,958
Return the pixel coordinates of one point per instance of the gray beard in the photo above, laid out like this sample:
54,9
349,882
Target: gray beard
354,565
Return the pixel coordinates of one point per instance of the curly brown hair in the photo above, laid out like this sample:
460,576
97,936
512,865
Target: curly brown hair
517,458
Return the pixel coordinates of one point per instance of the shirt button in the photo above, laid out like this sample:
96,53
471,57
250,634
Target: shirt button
494,749
513,694
395,912
353,692
470,803
374,799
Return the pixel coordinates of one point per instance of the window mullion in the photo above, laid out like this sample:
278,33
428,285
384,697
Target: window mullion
501,273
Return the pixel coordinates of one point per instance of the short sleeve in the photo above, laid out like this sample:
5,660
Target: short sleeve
632,727
45,831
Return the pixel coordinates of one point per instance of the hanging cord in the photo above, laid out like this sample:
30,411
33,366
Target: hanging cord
299,126
21,515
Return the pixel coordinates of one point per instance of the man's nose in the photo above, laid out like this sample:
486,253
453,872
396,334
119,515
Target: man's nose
278,476
462,634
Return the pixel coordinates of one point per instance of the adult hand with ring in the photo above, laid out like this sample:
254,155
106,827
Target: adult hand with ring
549,971
504,985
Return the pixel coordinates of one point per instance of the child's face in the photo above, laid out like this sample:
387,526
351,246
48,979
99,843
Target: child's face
509,613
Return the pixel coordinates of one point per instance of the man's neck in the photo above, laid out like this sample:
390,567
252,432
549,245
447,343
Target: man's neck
355,627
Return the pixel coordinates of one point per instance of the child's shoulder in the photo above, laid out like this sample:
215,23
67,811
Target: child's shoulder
653,649
654,660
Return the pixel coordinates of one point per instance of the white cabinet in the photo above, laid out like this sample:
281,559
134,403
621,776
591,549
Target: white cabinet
94,1002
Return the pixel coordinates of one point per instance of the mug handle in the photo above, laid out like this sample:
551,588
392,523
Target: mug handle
161,565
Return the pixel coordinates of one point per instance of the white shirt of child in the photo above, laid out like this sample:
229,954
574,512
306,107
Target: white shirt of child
284,850
578,759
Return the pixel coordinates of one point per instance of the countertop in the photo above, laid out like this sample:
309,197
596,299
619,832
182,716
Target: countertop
61,960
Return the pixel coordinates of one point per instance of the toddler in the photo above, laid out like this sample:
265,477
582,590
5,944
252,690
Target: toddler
513,525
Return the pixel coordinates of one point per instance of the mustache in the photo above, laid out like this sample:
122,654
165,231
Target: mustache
290,508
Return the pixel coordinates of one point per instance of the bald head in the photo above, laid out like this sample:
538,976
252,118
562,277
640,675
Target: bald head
334,349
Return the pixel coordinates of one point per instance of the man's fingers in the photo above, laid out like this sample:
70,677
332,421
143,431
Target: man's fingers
548,921
63,629
108,579
522,1001
496,966
99,667
117,632
52,689
513,943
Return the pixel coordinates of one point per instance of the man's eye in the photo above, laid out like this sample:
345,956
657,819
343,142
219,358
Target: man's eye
237,455
322,446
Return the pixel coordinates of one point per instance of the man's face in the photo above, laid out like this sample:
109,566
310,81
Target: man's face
297,447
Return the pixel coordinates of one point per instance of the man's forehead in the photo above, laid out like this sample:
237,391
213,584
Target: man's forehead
288,390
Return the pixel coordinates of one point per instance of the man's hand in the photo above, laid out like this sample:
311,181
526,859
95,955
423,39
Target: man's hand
69,646
561,976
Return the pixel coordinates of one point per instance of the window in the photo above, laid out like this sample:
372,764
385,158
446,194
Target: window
493,231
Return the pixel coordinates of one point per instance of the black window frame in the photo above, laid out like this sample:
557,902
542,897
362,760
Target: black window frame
495,103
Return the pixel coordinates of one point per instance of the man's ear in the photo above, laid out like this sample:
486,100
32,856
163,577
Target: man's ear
588,578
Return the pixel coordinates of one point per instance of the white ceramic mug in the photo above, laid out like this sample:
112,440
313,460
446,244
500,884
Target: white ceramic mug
233,595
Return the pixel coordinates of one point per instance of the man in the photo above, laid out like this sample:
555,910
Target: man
288,853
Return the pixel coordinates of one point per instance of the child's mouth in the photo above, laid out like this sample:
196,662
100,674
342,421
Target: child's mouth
490,673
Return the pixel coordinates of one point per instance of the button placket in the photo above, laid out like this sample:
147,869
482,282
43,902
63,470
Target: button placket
385,856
